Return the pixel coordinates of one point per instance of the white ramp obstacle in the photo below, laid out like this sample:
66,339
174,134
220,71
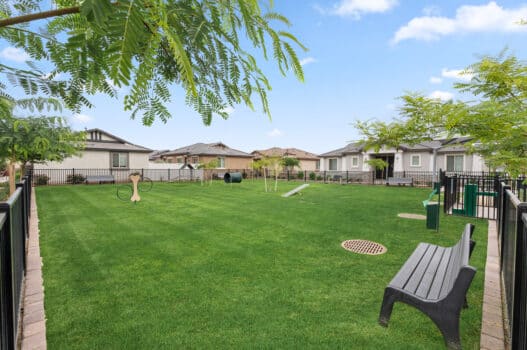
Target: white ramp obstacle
296,190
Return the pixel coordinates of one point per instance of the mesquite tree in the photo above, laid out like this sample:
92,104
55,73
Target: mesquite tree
207,47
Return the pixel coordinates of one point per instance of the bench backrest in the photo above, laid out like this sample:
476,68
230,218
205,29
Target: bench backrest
459,259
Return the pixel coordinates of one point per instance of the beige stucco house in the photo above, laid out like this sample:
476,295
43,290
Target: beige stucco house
307,161
104,151
202,153
446,154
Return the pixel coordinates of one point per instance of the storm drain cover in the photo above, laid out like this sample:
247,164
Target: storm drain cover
362,246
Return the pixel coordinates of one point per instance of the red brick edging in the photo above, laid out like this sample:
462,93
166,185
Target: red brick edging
33,318
492,334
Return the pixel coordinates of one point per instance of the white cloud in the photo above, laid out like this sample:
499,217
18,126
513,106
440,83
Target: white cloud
436,80
14,54
469,19
82,118
441,95
307,60
459,74
275,133
356,8
229,110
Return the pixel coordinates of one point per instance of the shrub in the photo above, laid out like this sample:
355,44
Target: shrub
41,179
319,177
244,175
75,179
300,175
312,176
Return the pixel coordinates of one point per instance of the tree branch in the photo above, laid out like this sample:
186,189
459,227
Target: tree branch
41,15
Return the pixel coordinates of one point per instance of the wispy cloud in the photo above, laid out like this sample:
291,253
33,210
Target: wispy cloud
432,10
229,110
459,74
307,60
82,118
468,19
356,8
14,54
275,133
436,80
441,95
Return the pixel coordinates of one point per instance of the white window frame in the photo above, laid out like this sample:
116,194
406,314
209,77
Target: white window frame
221,162
317,165
353,160
455,155
123,160
418,165
336,164
194,160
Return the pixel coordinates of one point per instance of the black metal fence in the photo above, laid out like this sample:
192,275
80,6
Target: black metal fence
512,235
77,176
14,230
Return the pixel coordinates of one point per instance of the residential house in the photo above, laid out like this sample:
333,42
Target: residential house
446,154
202,153
307,161
104,151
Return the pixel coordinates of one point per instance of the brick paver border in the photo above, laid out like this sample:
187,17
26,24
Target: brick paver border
492,334
33,318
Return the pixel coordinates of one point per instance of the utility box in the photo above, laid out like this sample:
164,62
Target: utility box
470,199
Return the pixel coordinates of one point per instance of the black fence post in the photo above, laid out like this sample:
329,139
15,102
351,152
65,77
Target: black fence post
519,310
288,175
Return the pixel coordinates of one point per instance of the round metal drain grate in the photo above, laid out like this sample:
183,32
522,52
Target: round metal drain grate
362,246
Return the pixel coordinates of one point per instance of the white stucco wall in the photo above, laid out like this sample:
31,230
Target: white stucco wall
95,160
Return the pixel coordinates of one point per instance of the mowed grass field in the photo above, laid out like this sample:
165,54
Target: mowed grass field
230,266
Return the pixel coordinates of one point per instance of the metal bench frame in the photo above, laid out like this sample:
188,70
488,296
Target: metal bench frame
400,181
434,280
100,179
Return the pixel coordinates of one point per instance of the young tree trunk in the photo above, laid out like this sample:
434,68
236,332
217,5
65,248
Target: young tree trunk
265,178
275,180
12,175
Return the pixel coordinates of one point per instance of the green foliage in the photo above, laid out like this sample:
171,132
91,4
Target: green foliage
204,46
312,176
290,162
75,179
496,120
320,178
41,179
377,163
300,175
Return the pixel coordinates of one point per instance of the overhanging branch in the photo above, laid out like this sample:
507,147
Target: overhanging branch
41,15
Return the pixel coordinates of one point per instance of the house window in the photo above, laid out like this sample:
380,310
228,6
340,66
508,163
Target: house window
317,165
179,160
221,162
194,160
415,160
354,162
119,160
333,164
454,163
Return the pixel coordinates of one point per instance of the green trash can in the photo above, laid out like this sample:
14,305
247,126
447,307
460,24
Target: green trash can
232,178
432,216
470,199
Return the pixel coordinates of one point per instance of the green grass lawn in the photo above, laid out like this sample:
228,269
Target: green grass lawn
230,266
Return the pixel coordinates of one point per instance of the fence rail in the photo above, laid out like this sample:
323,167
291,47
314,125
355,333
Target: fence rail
14,229
512,236
77,176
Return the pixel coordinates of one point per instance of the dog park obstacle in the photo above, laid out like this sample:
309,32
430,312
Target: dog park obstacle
295,191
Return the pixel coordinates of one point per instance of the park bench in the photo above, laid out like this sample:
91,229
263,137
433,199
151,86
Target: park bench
100,179
434,280
400,181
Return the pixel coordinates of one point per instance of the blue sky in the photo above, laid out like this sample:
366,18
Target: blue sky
363,55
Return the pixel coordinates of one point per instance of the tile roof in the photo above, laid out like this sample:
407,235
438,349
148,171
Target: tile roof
455,144
209,149
118,145
286,152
